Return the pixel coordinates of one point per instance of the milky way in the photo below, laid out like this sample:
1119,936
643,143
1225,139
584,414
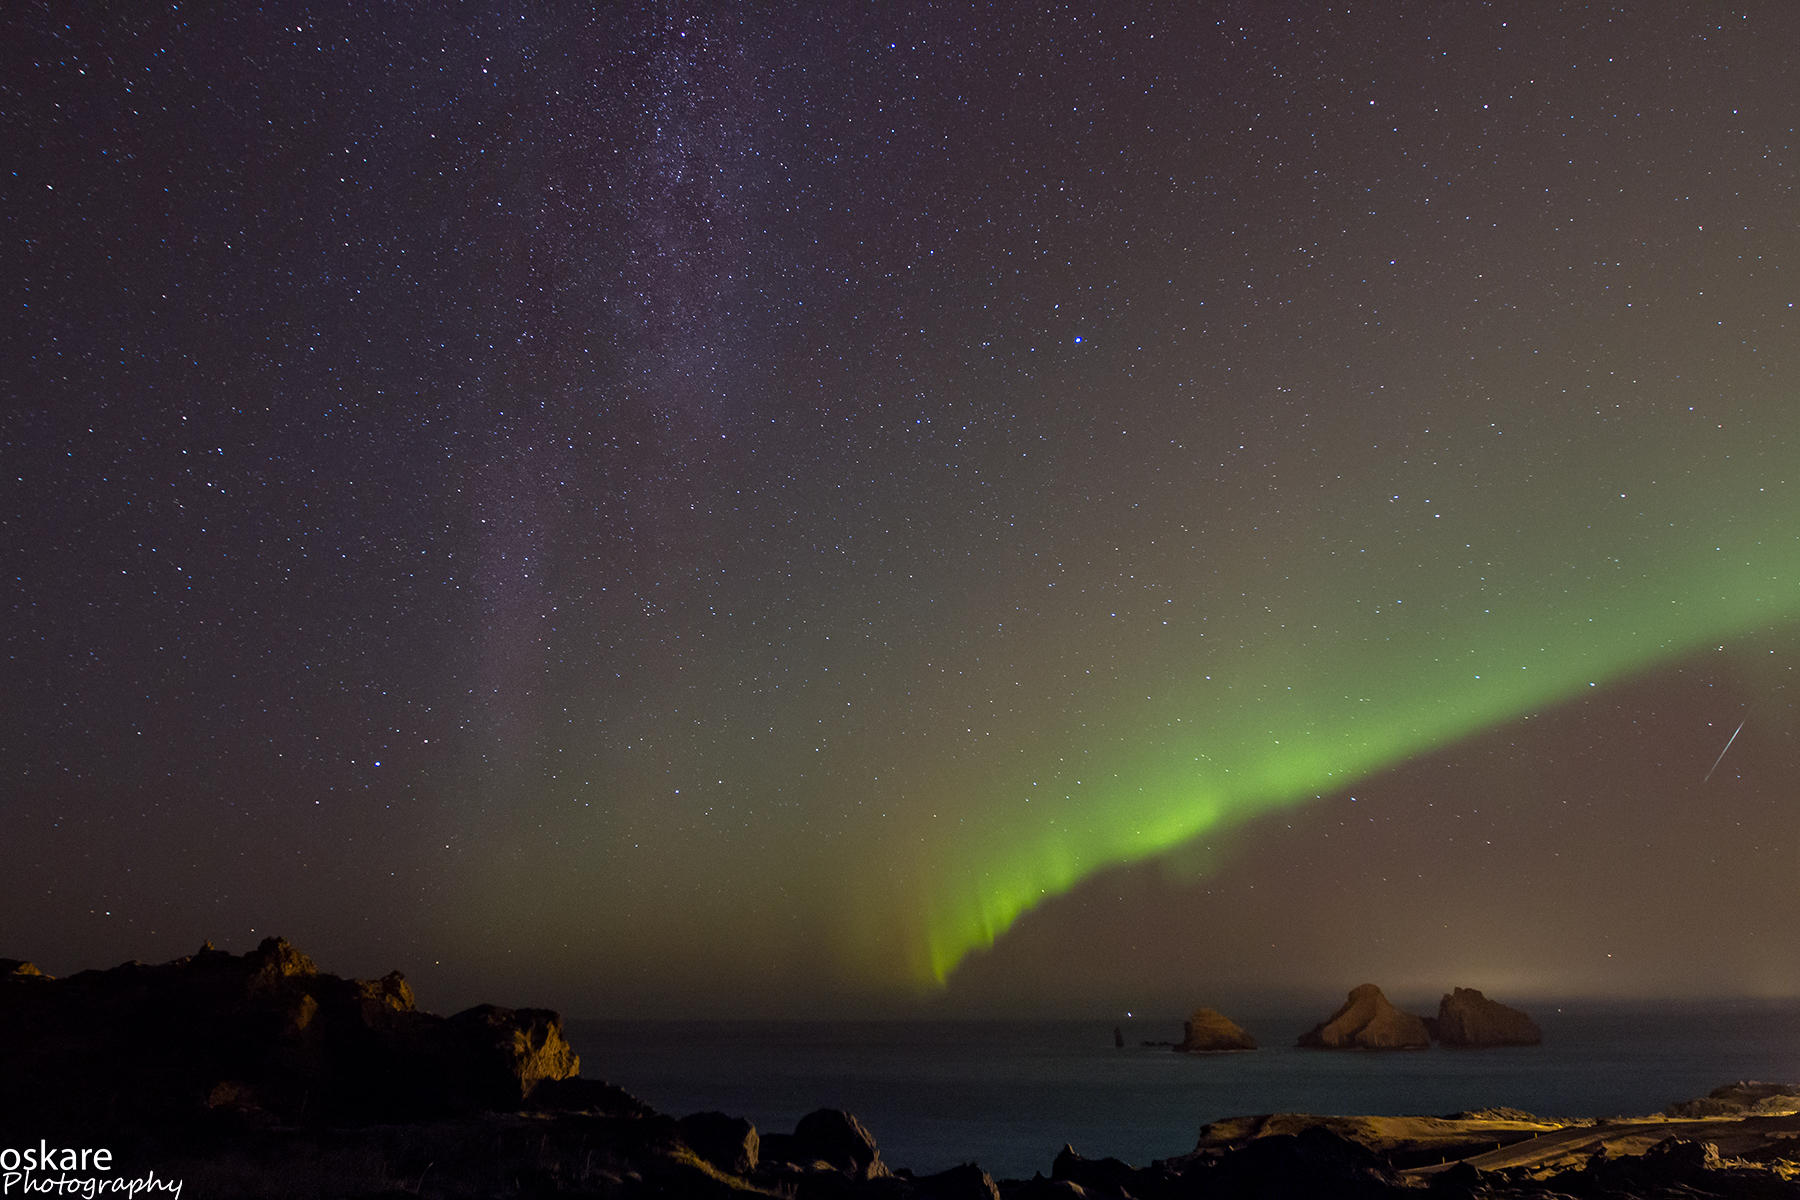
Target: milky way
746,510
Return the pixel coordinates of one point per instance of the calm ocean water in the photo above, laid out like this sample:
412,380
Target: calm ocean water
1008,1094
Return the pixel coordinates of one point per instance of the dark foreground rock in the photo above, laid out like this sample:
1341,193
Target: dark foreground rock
266,1036
1209,1031
1366,1021
1467,1018
728,1143
259,1075
829,1139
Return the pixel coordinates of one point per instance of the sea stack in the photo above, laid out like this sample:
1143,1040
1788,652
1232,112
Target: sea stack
1368,1022
1467,1018
1209,1031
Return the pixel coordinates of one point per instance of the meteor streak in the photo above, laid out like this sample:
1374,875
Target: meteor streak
1728,742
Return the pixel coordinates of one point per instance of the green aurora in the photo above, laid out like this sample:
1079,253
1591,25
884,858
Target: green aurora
1480,603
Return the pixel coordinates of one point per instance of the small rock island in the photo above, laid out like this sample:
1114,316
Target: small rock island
1209,1031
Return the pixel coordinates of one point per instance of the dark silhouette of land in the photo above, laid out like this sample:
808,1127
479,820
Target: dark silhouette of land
258,1074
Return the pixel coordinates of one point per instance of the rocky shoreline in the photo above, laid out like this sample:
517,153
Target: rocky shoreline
259,1075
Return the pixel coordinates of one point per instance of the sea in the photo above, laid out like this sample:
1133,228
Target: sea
1010,1094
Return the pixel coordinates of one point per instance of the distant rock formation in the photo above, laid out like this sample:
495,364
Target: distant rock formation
1209,1030
268,1038
1368,1022
1746,1097
1467,1018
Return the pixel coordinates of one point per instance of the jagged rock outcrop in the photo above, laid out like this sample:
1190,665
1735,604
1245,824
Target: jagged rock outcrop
269,1038
1368,1022
729,1143
1107,1176
1671,1167
1467,1018
1209,1030
966,1182
1314,1164
829,1139
1311,1162
1746,1097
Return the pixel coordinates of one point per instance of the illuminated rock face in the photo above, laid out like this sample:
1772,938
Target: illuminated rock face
1467,1018
1368,1022
1747,1097
1210,1030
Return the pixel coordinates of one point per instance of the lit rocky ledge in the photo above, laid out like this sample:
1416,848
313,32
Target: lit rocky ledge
1747,1097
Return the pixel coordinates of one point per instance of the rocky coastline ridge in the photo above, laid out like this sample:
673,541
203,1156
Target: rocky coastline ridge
260,1075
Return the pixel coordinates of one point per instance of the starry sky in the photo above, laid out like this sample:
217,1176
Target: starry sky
975,508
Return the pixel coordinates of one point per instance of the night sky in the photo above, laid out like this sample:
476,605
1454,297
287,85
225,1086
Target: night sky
836,509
